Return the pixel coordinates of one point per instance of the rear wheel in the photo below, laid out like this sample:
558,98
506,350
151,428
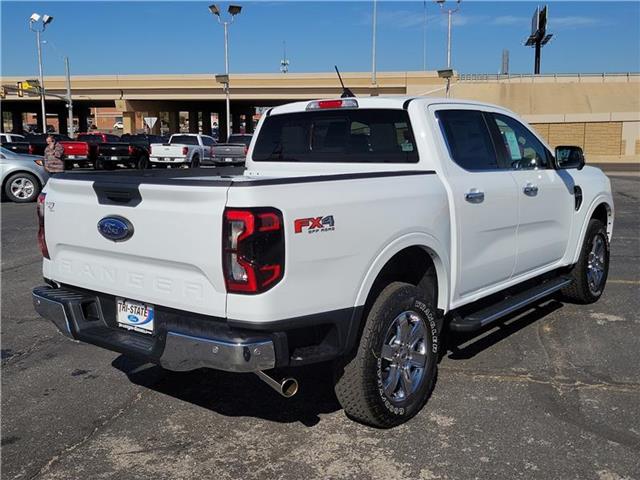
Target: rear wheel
591,272
22,187
394,370
143,163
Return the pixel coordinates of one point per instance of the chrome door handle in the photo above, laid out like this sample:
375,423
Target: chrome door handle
474,196
530,190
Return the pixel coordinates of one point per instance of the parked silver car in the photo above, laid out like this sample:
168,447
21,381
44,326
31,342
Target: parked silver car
22,176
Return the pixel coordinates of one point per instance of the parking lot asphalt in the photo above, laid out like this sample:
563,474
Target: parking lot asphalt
552,393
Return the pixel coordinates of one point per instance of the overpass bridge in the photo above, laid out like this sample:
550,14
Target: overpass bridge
600,112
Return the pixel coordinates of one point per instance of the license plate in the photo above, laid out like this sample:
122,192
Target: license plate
228,159
114,158
71,157
134,315
165,159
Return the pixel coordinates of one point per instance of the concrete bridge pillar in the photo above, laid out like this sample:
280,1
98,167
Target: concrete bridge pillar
222,127
129,122
193,122
236,122
16,122
156,126
63,124
41,127
206,122
82,120
249,127
174,122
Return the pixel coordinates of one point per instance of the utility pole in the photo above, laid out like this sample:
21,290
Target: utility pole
373,43
233,11
424,35
70,129
42,20
449,12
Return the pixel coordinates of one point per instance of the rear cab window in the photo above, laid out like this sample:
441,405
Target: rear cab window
337,136
183,140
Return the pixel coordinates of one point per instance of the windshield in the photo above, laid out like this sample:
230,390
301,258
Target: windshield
337,136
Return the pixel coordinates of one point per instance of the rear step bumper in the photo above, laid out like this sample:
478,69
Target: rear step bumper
477,320
176,345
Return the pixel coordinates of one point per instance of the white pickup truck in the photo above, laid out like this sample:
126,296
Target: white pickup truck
362,230
190,149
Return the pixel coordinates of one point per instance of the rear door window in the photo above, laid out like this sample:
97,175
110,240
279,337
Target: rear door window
468,139
337,136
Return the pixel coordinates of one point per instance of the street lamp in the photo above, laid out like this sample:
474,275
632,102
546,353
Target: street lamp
68,99
233,11
38,23
446,73
449,12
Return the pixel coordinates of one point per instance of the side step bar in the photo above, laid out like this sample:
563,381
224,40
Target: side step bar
477,320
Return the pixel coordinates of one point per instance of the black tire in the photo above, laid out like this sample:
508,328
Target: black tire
22,187
195,162
360,385
143,163
98,164
587,286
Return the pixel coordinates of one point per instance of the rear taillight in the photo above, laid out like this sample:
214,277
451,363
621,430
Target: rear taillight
185,150
42,242
131,150
31,150
253,249
246,150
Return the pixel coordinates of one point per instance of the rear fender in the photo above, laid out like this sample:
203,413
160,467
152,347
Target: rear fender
423,240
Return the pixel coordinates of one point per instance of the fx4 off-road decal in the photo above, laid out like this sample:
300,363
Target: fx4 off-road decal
314,224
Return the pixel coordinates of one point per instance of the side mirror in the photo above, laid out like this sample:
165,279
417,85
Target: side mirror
569,157
2,157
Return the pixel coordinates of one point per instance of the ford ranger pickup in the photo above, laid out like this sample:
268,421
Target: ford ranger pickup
362,230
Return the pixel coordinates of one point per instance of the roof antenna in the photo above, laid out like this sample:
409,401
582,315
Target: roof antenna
346,93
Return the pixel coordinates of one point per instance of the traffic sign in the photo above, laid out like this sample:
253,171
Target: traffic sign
150,121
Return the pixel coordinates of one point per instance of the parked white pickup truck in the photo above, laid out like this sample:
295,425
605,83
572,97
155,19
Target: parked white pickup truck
183,149
362,230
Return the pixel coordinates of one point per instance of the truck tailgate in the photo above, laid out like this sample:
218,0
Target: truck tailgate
80,149
169,151
173,257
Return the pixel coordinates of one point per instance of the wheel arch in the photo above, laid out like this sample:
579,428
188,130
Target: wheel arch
13,172
409,259
602,209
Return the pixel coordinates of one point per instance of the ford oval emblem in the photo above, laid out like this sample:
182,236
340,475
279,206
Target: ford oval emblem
115,228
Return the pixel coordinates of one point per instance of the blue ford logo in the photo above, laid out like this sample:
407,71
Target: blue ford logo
115,228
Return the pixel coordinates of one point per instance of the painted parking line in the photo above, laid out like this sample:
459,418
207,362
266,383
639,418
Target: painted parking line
625,282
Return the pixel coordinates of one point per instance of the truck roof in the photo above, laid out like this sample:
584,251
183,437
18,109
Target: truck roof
379,102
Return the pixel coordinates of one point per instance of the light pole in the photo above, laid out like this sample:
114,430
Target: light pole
373,43
68,99
449,13
42,21
233,11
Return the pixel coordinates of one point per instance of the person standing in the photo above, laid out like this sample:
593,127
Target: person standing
53,156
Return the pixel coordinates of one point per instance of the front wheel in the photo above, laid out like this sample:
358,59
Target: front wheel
394,370
591,272
22,188
195,162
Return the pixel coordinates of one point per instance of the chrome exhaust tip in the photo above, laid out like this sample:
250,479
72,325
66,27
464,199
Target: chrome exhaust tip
287,387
